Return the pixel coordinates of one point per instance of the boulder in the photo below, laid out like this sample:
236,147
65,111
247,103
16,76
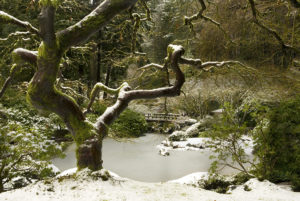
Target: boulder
193,130
178,136
190,121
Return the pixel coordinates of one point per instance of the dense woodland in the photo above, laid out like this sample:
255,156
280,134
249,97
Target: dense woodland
67,77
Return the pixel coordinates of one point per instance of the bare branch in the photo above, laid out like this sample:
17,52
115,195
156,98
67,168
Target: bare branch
17,33
152,65
269,30
209,64
140,53
21,55
99,86
72,91
5,86
6,18
193,62
189,20
148,13
220,63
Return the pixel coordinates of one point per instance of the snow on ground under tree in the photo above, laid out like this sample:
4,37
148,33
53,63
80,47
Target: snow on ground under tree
88,187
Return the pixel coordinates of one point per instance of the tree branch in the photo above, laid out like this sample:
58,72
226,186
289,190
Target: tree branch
295,3
269,30
17,33
99,86
126,95
210,64
92,23
20,56
200,15
151,65
6,18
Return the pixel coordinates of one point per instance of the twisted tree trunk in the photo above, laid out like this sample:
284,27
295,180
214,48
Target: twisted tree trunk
43,94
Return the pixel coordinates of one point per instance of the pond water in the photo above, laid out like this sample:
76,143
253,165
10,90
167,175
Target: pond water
138,159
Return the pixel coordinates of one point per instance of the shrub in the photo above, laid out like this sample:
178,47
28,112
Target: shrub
129,124
195,105
277,139
25,153
228,143
216,183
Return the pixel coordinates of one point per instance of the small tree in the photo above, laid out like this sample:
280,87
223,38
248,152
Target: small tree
24,154
228,143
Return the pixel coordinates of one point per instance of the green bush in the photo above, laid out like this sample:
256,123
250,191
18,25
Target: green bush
228,143
216,183
277,139
25,153
129,124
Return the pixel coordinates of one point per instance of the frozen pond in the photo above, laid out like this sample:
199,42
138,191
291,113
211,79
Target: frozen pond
138,159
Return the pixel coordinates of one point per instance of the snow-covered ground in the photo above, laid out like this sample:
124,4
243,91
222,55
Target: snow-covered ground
83,186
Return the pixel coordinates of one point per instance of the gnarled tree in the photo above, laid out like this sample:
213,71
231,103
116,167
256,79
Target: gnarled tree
43,94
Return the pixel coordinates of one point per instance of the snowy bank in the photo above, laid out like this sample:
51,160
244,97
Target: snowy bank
86,186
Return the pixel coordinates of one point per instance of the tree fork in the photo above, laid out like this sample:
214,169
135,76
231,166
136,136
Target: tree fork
43,94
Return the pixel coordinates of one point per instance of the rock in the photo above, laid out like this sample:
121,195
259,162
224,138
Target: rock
193,130
190,121
212,104
177,136
208,117
217,112
198,146
19,182
164,152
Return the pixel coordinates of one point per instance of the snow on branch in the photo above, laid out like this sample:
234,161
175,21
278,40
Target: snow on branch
16,34
152,65
206,66
99,86
6,18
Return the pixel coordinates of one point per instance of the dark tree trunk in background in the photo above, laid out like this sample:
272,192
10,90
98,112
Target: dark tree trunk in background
1,185
93,66
99,57
108,72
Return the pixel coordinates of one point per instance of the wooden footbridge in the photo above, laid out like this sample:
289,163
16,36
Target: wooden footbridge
165,117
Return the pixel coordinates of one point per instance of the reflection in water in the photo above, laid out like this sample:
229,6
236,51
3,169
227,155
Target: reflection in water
138,159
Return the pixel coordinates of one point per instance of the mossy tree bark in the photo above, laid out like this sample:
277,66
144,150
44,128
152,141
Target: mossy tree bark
42,93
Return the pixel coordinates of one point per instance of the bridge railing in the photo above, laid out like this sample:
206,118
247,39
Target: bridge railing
162,116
